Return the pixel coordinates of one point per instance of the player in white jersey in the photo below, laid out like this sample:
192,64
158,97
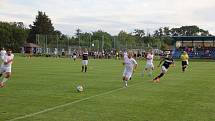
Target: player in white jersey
2,53
130,66
149,64
5,70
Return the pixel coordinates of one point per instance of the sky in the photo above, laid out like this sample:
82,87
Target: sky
112,16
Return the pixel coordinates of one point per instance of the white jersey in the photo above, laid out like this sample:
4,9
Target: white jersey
3,53
129,63
125,55
149,58
7,58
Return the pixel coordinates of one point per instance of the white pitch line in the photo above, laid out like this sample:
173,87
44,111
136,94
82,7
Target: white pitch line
67,104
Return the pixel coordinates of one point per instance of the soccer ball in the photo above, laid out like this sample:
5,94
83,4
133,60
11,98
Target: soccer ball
80,88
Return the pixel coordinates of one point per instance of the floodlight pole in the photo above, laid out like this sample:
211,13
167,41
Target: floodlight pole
57,42
90,42
79,43
102,41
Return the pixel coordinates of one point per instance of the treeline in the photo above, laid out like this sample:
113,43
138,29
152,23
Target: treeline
15,34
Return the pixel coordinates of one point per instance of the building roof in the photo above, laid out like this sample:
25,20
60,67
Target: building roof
193,38
31,45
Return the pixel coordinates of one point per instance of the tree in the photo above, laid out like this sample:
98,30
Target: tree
13,35
42,25
102,40
189,31
128,40
166,31
139,35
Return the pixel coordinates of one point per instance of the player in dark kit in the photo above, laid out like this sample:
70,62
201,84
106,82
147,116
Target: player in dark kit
84,60
167,62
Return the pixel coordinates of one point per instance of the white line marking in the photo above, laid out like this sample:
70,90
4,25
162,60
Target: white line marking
67,104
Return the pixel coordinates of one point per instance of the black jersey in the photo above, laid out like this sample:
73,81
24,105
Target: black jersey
168,62
85,56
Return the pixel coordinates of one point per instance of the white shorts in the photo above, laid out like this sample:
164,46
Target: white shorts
74,56
5,69
127,74
84,62
163,69
149,65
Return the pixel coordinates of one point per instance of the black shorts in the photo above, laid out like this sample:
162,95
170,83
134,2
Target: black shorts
184,63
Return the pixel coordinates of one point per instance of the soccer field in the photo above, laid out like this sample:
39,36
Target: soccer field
44,89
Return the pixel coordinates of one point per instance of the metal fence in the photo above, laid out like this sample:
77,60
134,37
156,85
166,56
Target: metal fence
52,44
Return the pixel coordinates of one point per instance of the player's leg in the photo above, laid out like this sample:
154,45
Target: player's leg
86,63
151,70
125,77
184,65
85,69
82,67
144,70
163,71
2,76
6,76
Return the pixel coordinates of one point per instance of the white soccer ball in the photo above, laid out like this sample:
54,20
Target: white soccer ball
80,88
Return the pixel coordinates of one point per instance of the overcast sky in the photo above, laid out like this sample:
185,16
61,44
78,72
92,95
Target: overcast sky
112,15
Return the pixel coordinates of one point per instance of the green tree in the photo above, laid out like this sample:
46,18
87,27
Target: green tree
42,25
126,39
102,40
13,35
139,35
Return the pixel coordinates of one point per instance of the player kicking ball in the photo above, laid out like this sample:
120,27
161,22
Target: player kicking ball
149,67
164,68
130,67
5,70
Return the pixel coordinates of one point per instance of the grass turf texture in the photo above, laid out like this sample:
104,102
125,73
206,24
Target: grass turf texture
41,83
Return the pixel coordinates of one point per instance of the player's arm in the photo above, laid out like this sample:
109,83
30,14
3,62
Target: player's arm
135,65
173,63
6,62
161,62
181,57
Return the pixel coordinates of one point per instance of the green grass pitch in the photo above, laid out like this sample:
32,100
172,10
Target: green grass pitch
43,89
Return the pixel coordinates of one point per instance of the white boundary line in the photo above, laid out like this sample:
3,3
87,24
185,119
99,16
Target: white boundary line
67,104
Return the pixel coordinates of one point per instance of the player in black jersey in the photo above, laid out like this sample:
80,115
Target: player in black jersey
167,62
84,61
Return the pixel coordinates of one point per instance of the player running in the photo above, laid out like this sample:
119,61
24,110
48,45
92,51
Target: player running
167,62
184,58
149,64
5,70
130,66
84,61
